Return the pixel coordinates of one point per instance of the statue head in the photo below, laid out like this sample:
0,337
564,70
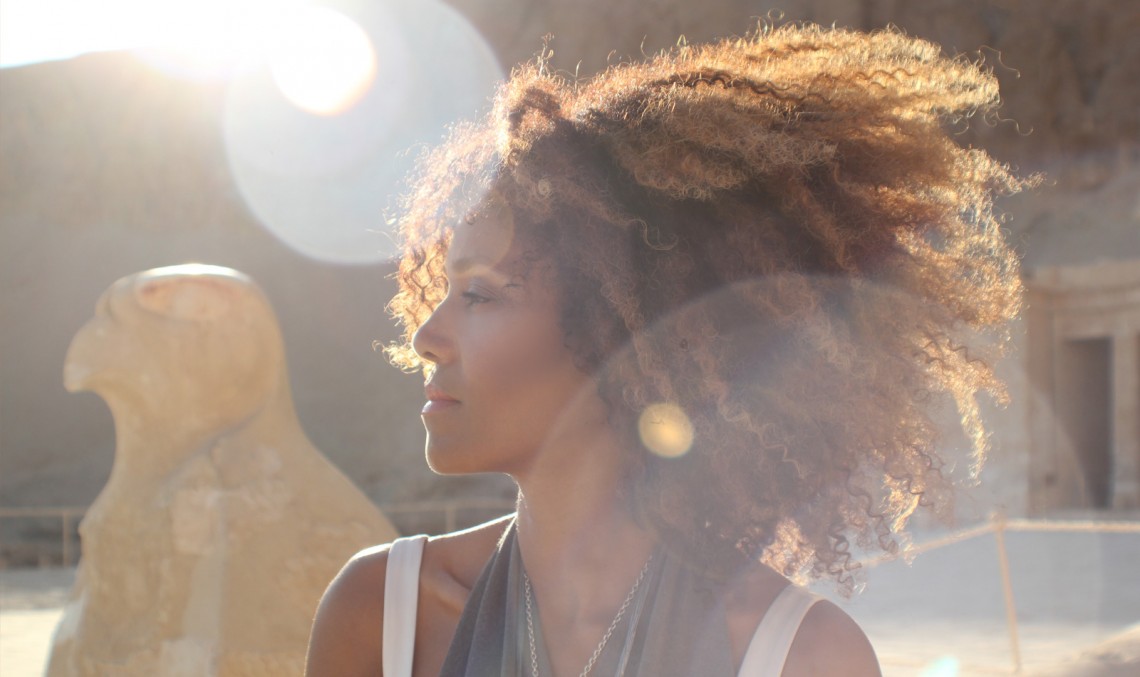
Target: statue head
193,347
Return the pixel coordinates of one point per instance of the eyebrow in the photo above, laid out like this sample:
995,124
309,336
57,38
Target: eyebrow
475,265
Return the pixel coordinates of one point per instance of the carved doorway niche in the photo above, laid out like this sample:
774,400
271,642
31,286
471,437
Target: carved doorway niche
1083,338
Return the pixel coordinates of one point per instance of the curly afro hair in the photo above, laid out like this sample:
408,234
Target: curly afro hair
776,235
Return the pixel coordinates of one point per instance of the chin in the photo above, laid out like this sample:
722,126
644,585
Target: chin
446,458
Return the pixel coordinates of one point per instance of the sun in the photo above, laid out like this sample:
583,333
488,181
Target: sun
321,60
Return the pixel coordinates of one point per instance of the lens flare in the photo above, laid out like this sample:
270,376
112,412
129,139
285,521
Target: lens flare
946,666
665,430
321,164
323,61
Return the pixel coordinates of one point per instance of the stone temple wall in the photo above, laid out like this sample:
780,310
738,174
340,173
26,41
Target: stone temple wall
109,167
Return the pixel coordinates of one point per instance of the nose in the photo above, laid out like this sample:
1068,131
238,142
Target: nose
430,341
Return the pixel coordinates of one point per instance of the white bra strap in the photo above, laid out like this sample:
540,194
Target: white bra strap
777,630
401,592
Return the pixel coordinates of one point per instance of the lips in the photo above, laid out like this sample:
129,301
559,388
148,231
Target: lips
437,400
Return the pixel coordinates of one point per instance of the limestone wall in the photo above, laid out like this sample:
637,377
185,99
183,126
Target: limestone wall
109,167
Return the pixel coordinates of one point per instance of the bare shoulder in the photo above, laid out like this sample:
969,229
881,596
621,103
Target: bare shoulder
451,565
347,630
830,642
347,636
456,559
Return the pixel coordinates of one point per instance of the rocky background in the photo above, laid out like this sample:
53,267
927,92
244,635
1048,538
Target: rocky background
108,167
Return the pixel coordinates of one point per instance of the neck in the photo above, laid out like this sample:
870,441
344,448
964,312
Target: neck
580,544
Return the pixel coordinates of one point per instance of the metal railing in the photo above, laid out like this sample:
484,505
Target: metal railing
68,516
450,509
998,525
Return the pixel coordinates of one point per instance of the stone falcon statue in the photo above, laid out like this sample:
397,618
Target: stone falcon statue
208,549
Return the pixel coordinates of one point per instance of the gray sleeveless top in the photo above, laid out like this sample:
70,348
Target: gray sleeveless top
675,626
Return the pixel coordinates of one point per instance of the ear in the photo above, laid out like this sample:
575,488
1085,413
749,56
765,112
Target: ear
192,298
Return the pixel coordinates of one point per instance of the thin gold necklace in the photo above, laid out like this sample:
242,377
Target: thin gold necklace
605,638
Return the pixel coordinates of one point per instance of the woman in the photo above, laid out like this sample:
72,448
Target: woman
696,307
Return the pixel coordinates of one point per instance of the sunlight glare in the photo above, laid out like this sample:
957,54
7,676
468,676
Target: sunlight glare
44,30
323,61
215,35
319,164
946,666
665,430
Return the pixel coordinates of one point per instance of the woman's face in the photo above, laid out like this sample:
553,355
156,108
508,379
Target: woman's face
504,385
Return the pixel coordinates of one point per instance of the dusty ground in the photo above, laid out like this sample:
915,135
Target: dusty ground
31,601
1077,598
